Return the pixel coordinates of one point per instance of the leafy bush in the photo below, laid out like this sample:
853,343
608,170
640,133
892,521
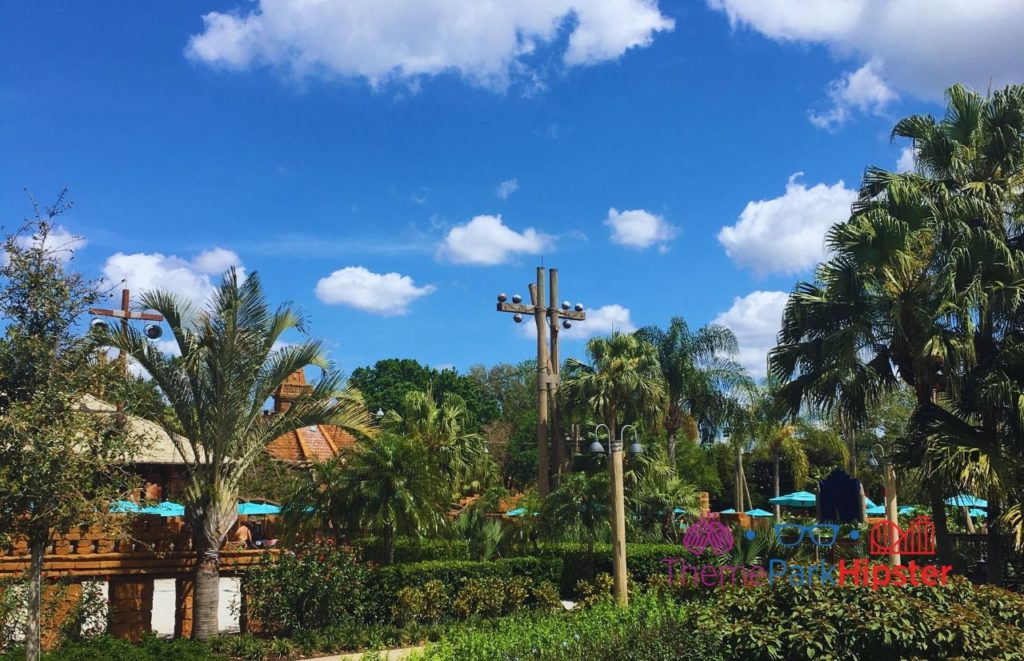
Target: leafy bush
426,605
412,549
386,582
107,648
642,560
314,587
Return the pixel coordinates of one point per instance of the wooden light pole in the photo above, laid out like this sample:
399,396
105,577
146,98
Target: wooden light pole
125,314
547,363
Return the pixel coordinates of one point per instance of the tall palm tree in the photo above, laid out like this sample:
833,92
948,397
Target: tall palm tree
442,428
623,380
391,486
228,368
699,369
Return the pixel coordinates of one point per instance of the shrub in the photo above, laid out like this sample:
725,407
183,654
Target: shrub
386,582
107,648
411,549
642,560
426,605
312,588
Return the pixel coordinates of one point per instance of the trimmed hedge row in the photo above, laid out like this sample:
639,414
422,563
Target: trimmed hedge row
385,582
411,549
642,560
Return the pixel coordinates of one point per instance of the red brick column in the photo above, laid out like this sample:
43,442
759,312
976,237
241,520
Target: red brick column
183,588
131,607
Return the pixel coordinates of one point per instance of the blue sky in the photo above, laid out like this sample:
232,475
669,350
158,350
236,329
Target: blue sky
391,166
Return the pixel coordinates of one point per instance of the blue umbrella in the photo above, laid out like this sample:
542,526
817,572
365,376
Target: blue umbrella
869,503
728,511
258,508
966,500
795,499
978,514
910,509
679,510
519,511
124,507
758,512
877,510
164,509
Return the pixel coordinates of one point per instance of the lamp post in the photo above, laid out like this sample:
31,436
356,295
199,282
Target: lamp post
125,314
618,502
891,510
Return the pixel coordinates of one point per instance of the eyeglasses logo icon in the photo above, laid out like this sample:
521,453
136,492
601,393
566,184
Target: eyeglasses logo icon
708,533
822,534
918,539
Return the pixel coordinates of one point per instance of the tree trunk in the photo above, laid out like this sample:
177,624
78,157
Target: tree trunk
37,545
206,597
672,448
943,542
775,476
995,539
389,545
738,501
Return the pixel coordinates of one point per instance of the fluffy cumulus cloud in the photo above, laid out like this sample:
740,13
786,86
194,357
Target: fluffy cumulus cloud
640,229
786,235
755,319
912,46
385,294
907,160
59,242
193,279
861,91
488,42
506,188
486,241
600,321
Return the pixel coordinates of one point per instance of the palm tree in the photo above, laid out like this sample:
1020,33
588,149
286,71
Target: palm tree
318,504
392,486
443,429
228,368
623,379
580,502
698,369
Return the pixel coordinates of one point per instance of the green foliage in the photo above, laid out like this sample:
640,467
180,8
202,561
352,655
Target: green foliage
312,588
413,549
425,605
108,648
386,582
387,382
487,537
578,564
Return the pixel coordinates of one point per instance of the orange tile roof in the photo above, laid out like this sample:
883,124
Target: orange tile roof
309,444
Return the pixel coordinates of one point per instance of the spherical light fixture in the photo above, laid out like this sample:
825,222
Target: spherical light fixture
153,331
517,317
99,325
578,307
502,297
566,324
517,298
566,305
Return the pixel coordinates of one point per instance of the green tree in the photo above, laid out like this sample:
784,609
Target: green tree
444,430
622,381
217,389
580,504
392,487
60,465
699,371
385,385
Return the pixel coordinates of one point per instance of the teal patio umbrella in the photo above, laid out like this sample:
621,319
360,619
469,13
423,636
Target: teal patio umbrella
253,509
795,499
758,512
967,500
164,509
728,511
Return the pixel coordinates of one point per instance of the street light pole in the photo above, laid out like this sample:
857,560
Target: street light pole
891,509
547,362
618,505
125,314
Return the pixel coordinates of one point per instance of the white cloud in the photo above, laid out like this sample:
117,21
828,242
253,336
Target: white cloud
60,242
907,160
485,241
640,229
914,46
863,91
487,42
600,321
755,319
506,188
385,294
786,235
193,279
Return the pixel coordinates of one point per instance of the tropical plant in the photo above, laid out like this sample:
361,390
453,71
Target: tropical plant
392,486
623,380
229,366
699,370
444,430
579,503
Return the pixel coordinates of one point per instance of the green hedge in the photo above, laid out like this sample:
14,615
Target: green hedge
411,549
642,560
767,623
385,582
